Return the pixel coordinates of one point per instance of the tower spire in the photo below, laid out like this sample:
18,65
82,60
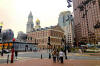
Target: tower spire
30,15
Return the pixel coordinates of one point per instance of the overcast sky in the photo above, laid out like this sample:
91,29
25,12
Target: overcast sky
14,13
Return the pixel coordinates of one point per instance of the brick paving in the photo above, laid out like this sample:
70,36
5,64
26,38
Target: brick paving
49,62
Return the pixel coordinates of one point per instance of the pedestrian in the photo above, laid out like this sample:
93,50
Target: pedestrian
16,54
54,56
30,49
57,54
80,50
61,54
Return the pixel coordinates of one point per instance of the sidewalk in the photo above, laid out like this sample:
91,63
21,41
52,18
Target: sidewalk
94,54
48,62
84,54
3,57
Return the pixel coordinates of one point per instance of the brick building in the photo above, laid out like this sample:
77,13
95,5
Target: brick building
97,32
86,16
41,36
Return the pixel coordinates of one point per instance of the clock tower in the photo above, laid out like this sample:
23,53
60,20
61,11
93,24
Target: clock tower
30,24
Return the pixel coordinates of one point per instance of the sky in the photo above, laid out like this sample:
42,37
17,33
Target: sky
14,13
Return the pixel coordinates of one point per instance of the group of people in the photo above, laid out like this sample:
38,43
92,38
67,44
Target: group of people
57,55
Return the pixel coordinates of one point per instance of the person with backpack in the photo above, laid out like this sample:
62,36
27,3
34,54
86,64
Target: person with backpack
54,56
57,54
61,55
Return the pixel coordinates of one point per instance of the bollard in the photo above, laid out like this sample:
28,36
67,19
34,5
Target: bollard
8,59
49,56
66,57
41,56
2,53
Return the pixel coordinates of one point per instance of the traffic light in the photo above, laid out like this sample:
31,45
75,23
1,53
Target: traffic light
48,40
0,30
48,43
62,40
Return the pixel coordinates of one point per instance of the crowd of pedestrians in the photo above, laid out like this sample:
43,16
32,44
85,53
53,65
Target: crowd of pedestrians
57,55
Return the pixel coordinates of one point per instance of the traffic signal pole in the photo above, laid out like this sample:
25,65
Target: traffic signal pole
12,51
49,47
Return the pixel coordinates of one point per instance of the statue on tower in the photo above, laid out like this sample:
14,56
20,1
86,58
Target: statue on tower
37,24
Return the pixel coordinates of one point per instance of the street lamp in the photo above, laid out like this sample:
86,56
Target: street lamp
64,41
69,3
65,51
49,47
35,41
1,24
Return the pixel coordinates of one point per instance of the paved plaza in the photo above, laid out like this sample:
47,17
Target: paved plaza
49,62
34,59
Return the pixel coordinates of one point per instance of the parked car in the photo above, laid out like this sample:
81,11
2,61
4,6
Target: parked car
90,45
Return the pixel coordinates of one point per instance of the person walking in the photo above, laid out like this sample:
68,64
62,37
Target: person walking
54,56
57,54
61,54
16,54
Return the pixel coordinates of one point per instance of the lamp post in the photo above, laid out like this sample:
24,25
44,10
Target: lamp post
65,49
49,47
69,3
64,41
35,41
1,24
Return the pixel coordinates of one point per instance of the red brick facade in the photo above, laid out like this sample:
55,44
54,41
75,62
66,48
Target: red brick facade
41,37
86,15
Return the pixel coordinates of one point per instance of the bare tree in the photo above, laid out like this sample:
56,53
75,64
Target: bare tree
21,36
7,35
